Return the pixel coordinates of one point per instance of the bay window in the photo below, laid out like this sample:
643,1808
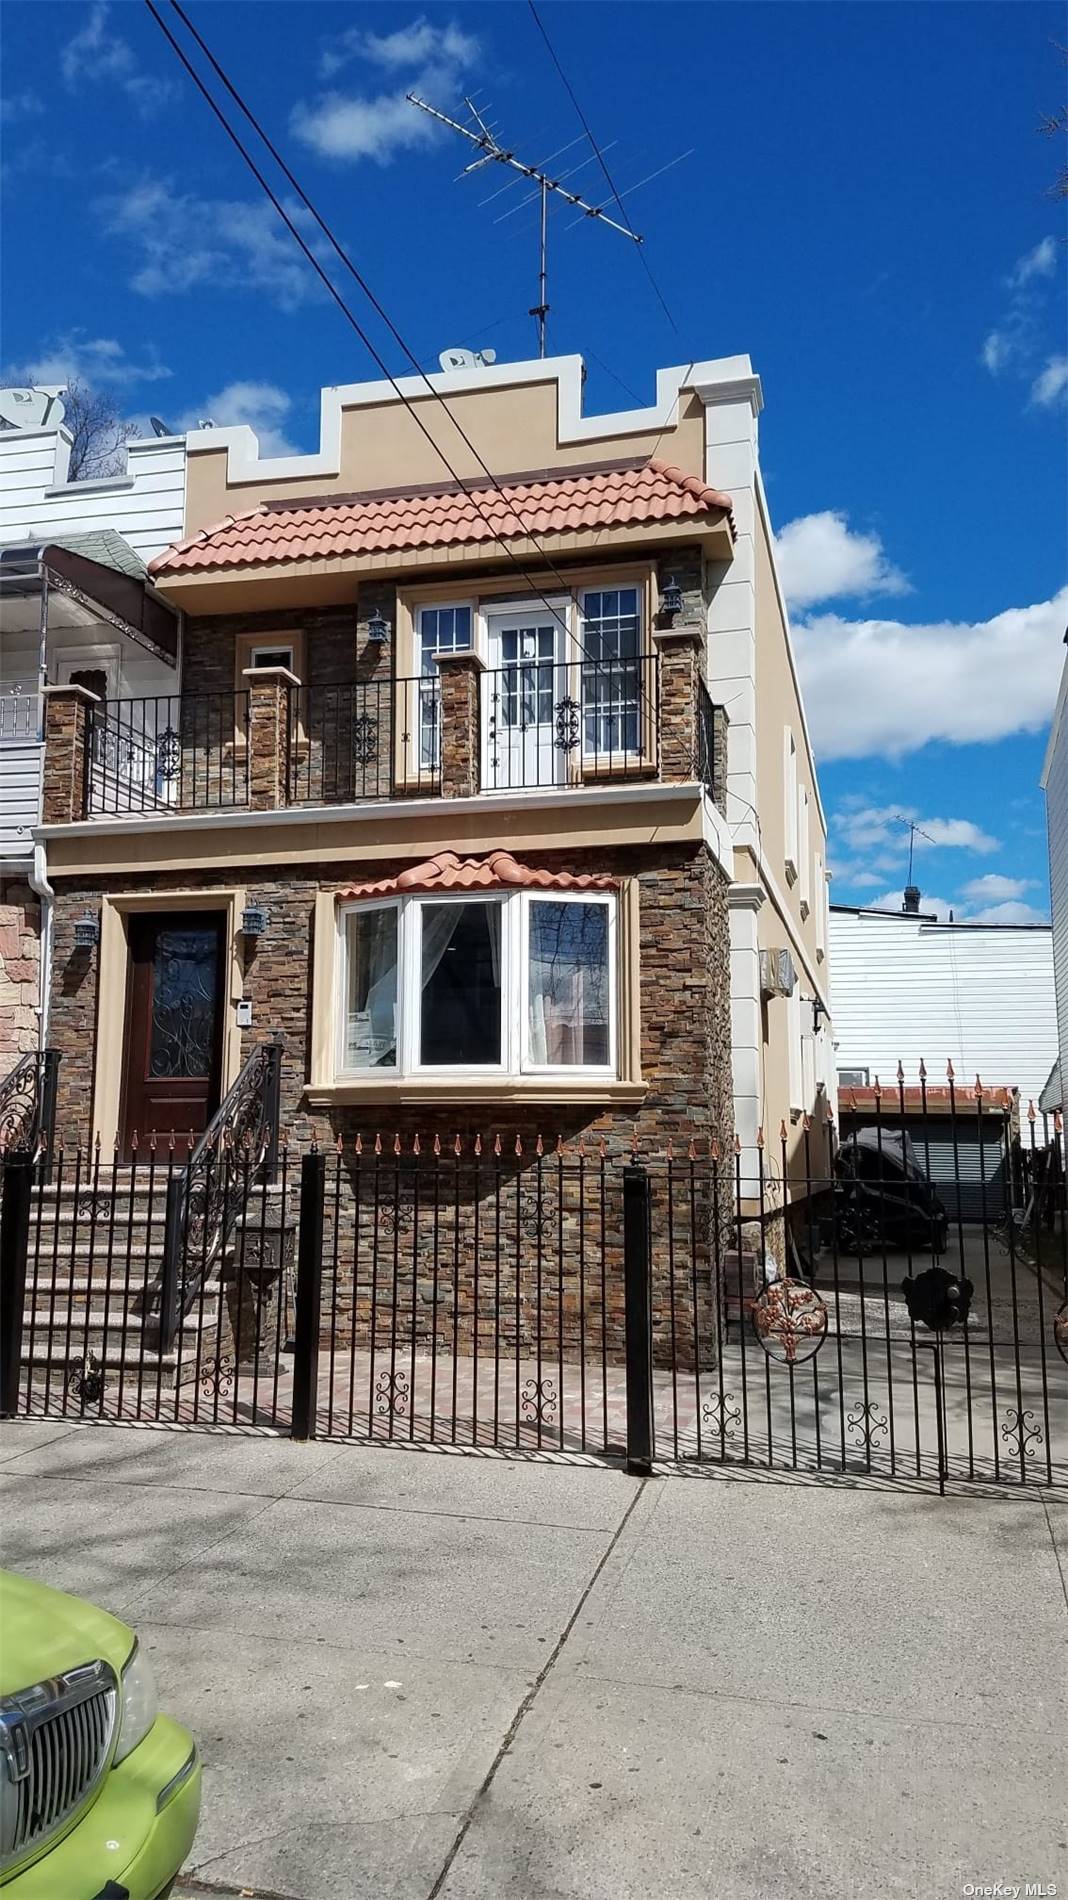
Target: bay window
511,983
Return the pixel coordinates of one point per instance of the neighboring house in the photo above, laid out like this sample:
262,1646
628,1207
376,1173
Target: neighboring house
499,805
75,604
1055,785
908,989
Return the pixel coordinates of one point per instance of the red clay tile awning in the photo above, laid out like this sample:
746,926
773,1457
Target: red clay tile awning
631,496
498,871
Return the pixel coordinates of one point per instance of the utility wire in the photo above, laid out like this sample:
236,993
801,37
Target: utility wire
570,90
342,254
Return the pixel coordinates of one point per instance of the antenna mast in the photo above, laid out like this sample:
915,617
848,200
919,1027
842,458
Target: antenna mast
491,152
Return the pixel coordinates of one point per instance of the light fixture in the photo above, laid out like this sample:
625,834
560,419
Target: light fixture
670,600
86,932
378,628
819,1010
253,920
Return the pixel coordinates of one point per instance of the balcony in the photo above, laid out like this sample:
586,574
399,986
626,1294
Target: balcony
537,725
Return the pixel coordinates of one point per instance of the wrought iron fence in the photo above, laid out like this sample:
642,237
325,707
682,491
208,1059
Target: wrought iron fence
569,1299
185,752
363,739
548,723
28,1105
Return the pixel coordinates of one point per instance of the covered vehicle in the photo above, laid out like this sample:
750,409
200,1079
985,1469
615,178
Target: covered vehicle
99,1792
883,1200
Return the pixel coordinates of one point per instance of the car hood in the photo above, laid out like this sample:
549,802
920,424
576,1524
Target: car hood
44,1631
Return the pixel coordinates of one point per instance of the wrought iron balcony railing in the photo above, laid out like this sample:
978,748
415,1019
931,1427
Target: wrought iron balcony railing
168,753
547,722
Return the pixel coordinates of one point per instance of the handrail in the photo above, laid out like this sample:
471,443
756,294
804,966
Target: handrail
206,1198
28,1107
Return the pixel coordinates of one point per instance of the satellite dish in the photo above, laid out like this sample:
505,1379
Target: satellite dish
158,427
467,359
30,408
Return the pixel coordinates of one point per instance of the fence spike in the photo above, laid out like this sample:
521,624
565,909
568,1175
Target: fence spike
760,1140
877,1091
457,1146
478,1143
170,1142
378,1142
437,1144
978,1090
416,1144
518,1145
923,1070
783,1137
737,1144
602,1151
670,1149
950,1073
1031,1116
900,1074
559,1142
1058,1122
339,1146
691,1154
806,1123
497,1142
397,1143
539,1146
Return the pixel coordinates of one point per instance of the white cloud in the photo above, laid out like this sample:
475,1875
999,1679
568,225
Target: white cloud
21,105
352,125
996,351
885,687
1041,262
1010,913
262,405
181,240
864,828
939,907
75,357
993,888
95,54
820,557
1052,384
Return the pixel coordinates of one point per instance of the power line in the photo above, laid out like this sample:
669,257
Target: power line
569,89
495,534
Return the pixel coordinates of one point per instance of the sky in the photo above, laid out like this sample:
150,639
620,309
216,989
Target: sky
861,202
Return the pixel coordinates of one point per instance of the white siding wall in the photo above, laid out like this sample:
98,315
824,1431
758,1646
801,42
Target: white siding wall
147,505
1055,779
979,996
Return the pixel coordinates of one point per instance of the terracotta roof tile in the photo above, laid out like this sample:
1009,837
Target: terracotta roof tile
498,871
381,524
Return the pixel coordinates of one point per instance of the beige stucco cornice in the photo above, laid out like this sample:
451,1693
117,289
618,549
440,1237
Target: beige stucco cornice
573,819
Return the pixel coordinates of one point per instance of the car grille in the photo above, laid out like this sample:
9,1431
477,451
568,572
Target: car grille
56,1739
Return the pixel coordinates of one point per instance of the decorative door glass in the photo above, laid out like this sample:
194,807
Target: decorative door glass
527,730
184,989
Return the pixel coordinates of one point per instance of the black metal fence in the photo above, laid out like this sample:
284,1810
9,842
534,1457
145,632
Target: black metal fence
662,1309
168,752
546,722
364,739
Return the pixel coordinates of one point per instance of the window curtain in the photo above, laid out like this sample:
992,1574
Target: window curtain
440,923
372,1035
568,988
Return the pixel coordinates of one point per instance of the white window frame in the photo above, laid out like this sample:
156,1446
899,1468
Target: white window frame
103,656
273,647
515,1063
608,901
789,774
804,866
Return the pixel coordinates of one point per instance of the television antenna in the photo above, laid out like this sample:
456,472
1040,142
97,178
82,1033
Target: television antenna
491,152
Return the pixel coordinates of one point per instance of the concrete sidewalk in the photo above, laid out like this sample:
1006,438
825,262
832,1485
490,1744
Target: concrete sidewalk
415,1674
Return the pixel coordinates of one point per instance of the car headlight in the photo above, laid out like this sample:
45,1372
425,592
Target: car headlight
138,1704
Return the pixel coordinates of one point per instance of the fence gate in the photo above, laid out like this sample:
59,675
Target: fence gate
567,1301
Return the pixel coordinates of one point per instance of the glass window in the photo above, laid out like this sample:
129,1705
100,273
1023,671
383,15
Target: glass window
527,673
371,989
441,630
611,673
273,656
460,977
184,984
569,991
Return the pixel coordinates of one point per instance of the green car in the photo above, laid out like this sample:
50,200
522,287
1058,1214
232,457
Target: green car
99,1792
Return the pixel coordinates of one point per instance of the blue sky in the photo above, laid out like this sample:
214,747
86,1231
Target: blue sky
865,211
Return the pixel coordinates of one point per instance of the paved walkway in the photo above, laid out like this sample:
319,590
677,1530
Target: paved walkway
417,1675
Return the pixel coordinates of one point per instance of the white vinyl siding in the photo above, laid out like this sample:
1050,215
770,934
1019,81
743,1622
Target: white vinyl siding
979,996
147,507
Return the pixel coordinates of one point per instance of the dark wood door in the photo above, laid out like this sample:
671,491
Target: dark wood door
174,1022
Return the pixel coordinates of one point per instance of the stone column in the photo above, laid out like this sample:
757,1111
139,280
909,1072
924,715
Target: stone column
720,737
269,689
681,652
459,729
65,790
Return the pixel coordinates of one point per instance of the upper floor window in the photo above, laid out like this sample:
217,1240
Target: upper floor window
515,984
440,630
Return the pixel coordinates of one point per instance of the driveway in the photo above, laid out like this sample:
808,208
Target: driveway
417,1675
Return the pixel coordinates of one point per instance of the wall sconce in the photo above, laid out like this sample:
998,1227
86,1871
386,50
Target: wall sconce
670,601
86,932
254,920
378,629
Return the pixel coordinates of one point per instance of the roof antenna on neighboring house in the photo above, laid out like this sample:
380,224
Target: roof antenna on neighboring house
911,905
491,152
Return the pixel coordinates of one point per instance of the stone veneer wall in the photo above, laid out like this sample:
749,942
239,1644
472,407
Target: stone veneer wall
20,937
686,1064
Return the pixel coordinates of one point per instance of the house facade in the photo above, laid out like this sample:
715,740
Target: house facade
491,795
75,605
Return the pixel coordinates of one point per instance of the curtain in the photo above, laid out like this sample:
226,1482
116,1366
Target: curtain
439,923
568,985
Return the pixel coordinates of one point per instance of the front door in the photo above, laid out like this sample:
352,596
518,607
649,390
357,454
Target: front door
526,699
174,1020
